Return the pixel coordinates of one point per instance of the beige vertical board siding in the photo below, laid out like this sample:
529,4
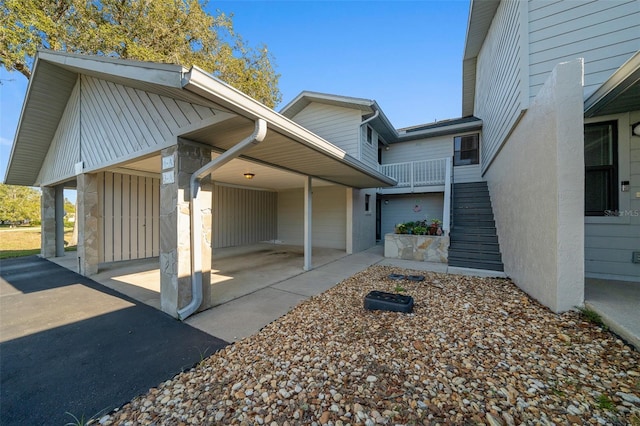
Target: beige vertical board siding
126,217
605,33
107,243
105,123
141,217
133,217
338,125
499,80
329,227
117,216
148,223
130,208
155,217
242,216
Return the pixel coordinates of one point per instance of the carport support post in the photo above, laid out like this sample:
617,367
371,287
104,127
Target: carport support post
87,215
307,224
178,164
48,222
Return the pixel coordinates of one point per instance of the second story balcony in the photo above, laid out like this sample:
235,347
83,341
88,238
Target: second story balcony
418,176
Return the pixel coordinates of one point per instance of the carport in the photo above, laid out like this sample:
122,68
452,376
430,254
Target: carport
130,136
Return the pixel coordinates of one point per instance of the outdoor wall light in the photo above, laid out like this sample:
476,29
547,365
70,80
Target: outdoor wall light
249,175
386,202
635,128
624,186
386,148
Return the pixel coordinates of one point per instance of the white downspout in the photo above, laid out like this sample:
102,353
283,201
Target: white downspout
255,138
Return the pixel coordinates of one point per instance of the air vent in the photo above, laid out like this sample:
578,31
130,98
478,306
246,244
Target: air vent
635,257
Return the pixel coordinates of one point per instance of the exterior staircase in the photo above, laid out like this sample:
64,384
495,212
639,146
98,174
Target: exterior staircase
473,238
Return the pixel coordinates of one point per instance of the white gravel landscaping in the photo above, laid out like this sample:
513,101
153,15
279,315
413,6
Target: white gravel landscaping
474,351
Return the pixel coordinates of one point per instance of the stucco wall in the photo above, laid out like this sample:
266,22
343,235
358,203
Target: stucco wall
537,191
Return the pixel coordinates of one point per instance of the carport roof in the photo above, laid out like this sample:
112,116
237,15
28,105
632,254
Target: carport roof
56,73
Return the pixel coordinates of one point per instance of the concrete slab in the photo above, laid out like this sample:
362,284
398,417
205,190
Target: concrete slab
69,344
618,304
245,316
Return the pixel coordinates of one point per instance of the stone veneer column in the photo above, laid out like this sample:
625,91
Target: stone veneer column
179,162
87,215
48,222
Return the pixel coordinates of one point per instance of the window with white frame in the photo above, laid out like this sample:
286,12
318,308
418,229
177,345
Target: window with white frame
367,203
369,135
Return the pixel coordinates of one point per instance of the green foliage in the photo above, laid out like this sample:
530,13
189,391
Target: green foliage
399,288
605,403
178,32
592,316
19,203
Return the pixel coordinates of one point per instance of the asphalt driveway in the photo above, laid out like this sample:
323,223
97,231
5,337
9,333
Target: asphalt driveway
71,345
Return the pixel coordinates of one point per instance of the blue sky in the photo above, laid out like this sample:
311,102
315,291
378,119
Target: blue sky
407,55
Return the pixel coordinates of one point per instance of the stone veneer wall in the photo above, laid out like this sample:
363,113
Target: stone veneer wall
425,248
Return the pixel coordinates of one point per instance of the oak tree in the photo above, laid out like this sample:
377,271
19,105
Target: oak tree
167,31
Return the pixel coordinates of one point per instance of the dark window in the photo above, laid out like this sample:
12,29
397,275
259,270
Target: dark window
466,150
601,168
367,200
369,134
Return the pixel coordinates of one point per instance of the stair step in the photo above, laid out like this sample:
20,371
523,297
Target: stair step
481,184
470,216
490,266
473,238
481,246
473,210
470,204
471,193
459,229
475,255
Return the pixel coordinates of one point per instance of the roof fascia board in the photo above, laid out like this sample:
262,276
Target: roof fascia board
203,84
441,131
627,75
163,74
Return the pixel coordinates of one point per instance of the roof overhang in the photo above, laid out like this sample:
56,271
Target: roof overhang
55,75
441,128
620,93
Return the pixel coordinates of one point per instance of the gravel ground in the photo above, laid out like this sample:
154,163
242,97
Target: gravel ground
474,351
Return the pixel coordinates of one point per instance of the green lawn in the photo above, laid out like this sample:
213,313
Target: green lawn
24,241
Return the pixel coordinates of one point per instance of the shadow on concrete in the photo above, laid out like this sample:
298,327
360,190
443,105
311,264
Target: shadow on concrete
69,344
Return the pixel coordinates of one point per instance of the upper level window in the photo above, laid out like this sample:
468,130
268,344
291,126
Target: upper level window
466,150
369,135
601,168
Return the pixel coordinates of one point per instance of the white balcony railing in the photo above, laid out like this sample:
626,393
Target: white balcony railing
417,173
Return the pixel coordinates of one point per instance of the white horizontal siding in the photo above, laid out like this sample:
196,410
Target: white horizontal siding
329,217
465,174
243,216
369,151
64,150
423,149
609,246
338,125
410,208
604,33
498,100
